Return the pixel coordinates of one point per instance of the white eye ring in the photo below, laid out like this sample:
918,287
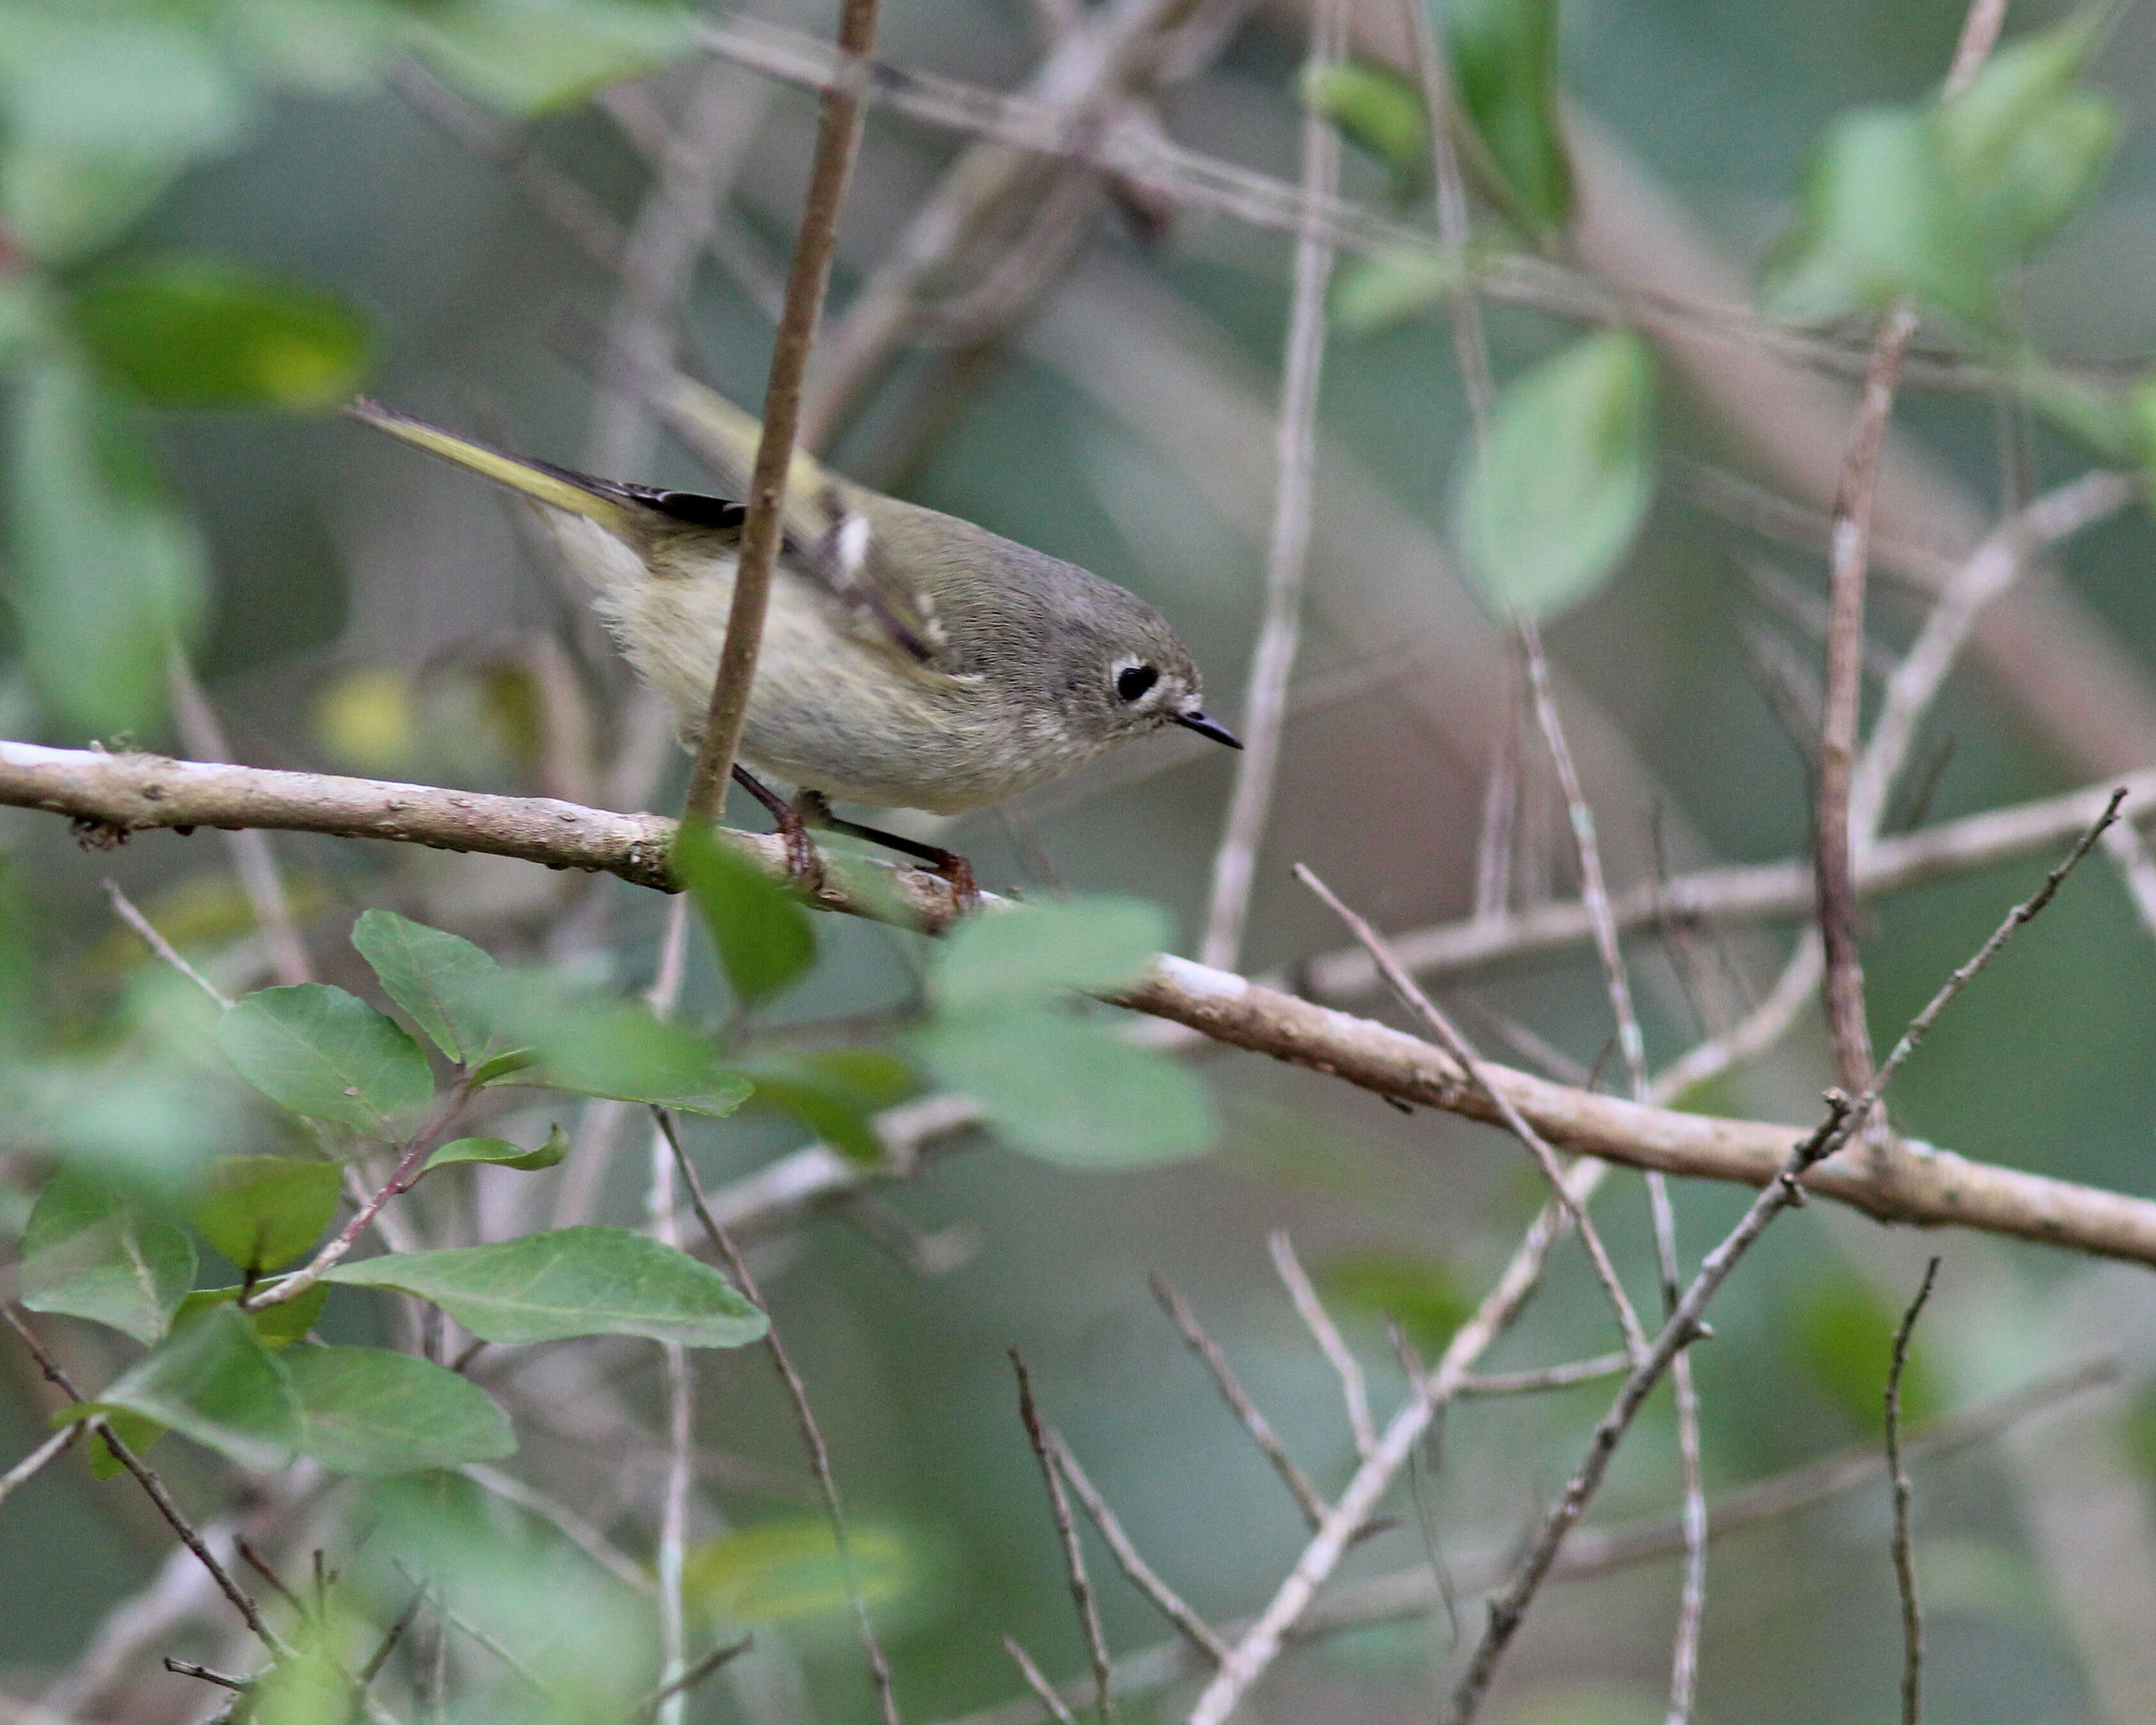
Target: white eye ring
1134,680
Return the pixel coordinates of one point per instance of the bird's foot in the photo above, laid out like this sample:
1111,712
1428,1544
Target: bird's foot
804,869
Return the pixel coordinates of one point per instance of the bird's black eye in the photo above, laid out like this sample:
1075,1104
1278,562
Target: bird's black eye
1132,681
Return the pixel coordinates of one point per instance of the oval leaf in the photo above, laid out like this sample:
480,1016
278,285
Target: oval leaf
194,332
1372,295
212,1380
89,1253
1064,1089
263,1211
836,1094
501,1153
598,1047
370,1410
440,979
329,1056
1504,55
279,1326
1379,110
1552,500
765,941
525,58
780,1572
1090,945
573,1282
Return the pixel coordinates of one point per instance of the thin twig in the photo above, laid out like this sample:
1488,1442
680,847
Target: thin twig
815,243
33,1464
252,859
1851,562
1074,1554
812,1435
673,1546
1330,1343
1905,1564
1299,1484
464,1625
387,1645
1287,558
203,1673
1454,1044
1563,1377
695,1674
242,1601
124,908
565,1521
1042,1688
1142,1574
1844,1119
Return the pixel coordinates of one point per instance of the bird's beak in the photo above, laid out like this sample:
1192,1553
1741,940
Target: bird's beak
1195,719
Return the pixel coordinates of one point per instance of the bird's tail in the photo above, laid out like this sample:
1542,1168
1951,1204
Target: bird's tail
558,487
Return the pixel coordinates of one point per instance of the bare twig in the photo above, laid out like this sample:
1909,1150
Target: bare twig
673,1547
1905,1564
695,1674
252,859
1041,1687
1980,34
812,1433
1583,1371
124,908
203,1673
27,1469
1074,1555
1844,1118
1142,1574
1330,1342
566,1522
1514,1121
1300,1487
1287,558
242,1601
1851,562
837,136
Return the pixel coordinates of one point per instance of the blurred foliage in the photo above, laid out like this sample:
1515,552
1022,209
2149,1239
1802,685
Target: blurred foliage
1842,1336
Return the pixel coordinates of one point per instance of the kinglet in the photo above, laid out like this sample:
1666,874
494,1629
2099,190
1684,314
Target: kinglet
910,659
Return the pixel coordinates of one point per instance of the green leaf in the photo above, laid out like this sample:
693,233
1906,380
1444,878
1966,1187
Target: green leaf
1878,217
212,1380
1377,108
765,941
1374,295
59,207
279,1326
1067,1090
133,88
501,1153
263,1211
1504,56
1554,497
573,1282
107,571
332,47
441,979
596,1046
525,58
1419,1294
1843,1337
132,1429
785,1571
370,1410
89,1253
836,1094
200,333
2023,144
329,1056
1088,945
149,1129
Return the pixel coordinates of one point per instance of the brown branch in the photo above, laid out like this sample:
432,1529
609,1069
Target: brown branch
1905,1564
1038,1684
1306,1494
242,1601
120,794
1074,1555
1852,554
1563,1377
1142,1574
815,245
812,1433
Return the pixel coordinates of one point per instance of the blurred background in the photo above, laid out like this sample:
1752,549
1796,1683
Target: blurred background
420,201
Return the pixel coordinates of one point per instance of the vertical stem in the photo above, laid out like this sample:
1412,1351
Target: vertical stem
1265,715
1905,1566
838,136
680,1388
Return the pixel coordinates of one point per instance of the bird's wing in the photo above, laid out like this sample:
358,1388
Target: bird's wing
830,524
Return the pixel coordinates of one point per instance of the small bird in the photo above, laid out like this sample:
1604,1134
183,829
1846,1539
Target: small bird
910,659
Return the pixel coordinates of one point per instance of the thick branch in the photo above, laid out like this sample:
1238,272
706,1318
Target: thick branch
113,794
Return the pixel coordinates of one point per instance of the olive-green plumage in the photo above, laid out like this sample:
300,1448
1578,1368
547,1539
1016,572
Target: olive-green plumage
910,659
